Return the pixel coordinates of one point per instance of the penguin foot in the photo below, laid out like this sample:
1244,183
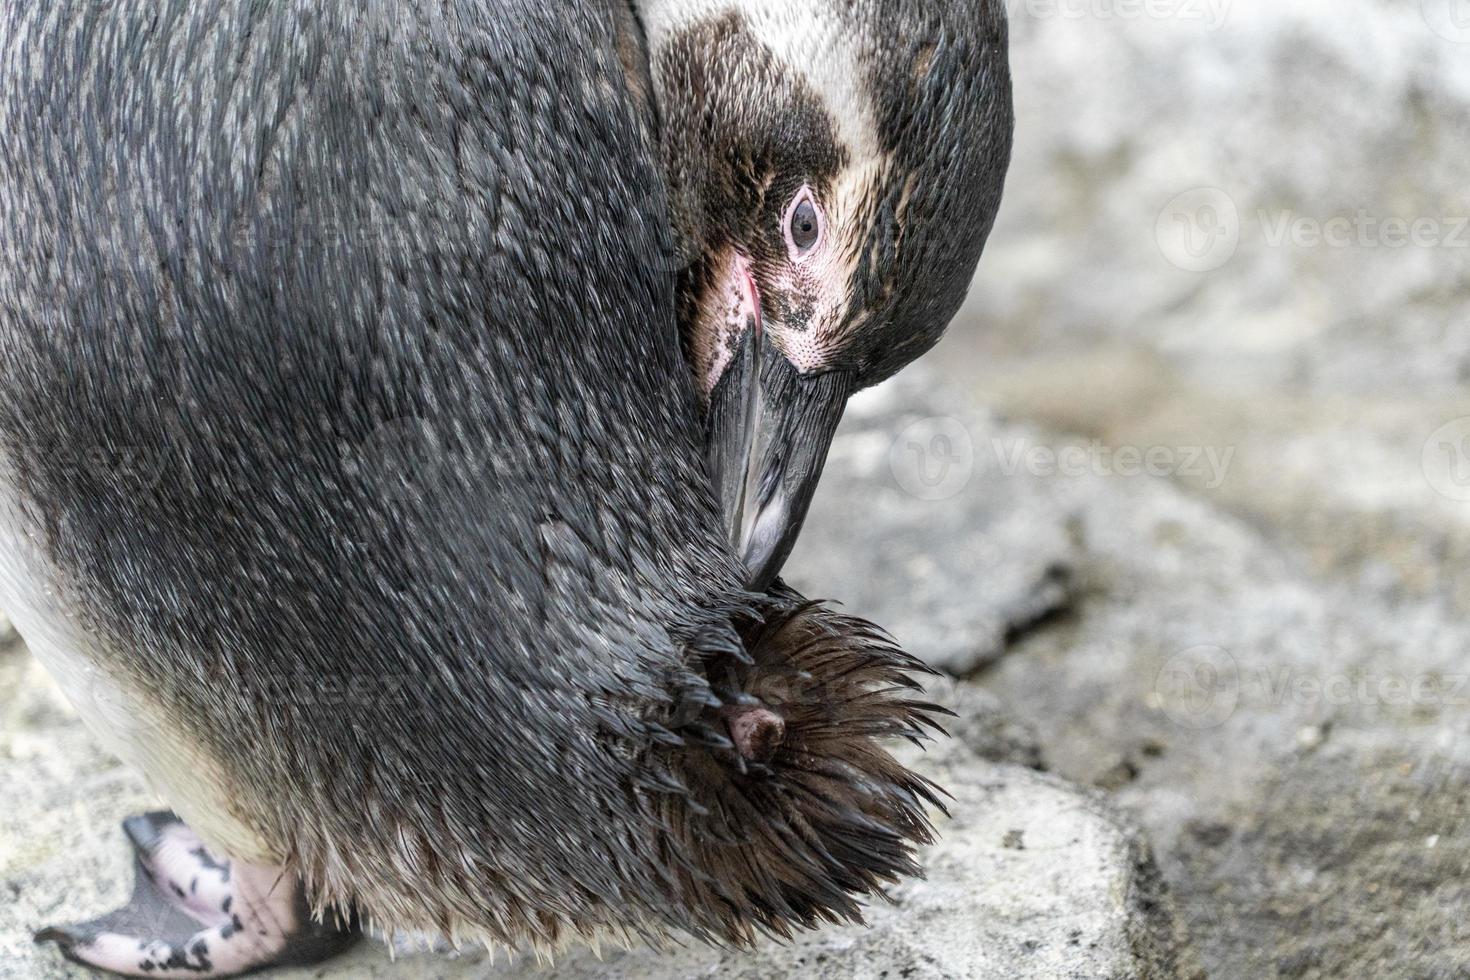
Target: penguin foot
193,914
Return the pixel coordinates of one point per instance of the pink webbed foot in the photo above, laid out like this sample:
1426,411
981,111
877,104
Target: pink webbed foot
193,914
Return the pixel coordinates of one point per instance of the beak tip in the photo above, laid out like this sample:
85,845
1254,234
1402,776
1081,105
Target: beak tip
767,544
769,432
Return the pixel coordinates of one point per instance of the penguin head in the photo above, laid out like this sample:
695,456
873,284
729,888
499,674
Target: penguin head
834,171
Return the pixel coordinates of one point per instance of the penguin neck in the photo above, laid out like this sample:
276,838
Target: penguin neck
828,45
633,55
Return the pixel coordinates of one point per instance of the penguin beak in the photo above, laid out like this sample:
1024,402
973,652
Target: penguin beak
769,429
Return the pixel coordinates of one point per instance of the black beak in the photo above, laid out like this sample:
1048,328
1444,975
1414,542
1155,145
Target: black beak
768,432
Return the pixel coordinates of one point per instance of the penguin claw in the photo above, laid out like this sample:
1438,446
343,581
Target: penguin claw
192,914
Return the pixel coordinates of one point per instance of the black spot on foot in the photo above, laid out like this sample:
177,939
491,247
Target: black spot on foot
207,860
146,830
53,934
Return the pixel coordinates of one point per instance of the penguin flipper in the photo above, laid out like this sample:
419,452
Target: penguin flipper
192,914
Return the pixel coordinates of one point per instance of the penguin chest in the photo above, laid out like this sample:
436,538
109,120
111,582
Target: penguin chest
45,607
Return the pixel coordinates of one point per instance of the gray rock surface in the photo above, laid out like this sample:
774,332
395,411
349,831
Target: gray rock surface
1033,877
1296,745
1314,338
1266,661
913,508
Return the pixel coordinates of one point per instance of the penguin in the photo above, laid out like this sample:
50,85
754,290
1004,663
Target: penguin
835,168
353,488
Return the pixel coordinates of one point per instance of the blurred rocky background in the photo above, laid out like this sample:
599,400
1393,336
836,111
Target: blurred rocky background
1182,505
1188,486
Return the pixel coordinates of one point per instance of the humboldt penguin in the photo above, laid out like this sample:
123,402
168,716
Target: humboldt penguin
352,487
834,168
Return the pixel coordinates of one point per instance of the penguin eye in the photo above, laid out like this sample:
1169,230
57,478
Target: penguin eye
803,224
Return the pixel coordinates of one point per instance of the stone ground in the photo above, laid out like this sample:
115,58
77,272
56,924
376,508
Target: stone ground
1184,501
1033,877
1294,743
1263,655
